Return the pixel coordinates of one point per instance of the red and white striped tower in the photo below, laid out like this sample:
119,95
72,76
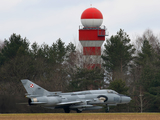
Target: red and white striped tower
92,36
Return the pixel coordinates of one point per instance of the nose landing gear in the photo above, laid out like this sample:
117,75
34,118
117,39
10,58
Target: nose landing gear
107,109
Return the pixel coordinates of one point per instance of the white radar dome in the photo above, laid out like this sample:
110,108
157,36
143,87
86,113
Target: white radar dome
91,17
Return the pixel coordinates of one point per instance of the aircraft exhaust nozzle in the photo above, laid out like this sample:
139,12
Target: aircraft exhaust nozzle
30,102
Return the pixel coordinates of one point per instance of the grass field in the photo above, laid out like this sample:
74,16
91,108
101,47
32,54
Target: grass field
82,116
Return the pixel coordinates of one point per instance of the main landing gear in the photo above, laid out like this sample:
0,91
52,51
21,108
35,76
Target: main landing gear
79,111
66,110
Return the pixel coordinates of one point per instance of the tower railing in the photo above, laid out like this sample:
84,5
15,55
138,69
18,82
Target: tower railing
92,28
102,30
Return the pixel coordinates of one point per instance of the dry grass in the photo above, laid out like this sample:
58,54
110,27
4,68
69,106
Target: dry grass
82,116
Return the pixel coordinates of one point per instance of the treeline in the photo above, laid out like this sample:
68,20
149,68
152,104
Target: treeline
128,68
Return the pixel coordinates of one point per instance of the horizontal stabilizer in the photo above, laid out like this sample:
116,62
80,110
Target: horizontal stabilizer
37,103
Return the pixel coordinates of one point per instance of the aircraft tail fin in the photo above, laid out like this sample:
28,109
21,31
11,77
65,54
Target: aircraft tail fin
33,89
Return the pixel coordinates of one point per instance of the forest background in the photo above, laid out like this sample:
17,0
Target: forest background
129,68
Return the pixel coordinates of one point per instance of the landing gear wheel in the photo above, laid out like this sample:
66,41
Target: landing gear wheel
107,109
66,110
79,111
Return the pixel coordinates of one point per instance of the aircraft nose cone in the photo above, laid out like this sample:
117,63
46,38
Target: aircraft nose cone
125,99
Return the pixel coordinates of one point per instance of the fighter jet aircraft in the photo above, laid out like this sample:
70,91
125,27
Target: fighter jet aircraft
79,101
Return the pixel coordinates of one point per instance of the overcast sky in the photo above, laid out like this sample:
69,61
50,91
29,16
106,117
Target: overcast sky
44,21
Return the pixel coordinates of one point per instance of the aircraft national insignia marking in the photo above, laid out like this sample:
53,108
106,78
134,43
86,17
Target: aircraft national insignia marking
102,98
31,85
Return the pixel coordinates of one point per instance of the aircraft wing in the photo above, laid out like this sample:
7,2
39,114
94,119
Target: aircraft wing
73,102
77,105
68,103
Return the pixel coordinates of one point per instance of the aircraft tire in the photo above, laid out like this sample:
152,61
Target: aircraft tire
78,111
66,110
107,109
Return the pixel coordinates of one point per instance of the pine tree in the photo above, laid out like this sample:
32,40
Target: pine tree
85,79
119,86
12,47
118,53
146,56
148,82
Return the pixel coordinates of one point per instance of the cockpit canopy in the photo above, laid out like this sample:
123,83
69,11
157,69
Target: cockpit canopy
112,91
